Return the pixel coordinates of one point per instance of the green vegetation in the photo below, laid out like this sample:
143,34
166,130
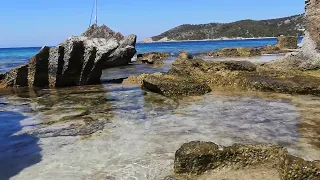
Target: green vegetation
292,26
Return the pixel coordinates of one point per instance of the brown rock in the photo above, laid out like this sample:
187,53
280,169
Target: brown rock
287,42
273,50
17,77
152,57
246,75
138,80
174,86
235,52
199,157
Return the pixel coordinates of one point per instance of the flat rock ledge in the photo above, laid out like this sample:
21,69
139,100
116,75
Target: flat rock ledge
193,77
76,61
196,158
174,86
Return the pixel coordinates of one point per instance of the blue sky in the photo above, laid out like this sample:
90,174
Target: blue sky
39,22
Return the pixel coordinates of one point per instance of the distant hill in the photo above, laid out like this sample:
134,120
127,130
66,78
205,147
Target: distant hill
292,25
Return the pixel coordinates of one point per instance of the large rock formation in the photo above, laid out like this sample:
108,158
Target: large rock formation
199,157
76,61
308,56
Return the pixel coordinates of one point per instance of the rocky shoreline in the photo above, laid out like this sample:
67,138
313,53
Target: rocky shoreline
79,61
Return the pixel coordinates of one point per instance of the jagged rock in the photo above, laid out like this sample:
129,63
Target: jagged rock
17,77
199,157
103,31
76,61
174,86
308,56
287,42
123,54
152,57
235,52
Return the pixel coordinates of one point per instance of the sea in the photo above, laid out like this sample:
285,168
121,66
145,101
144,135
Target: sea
12,57
119,131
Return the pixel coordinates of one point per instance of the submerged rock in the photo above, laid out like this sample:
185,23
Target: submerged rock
152,57
235,52
76,61
199,157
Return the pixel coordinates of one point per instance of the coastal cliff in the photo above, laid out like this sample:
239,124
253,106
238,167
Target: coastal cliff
289,26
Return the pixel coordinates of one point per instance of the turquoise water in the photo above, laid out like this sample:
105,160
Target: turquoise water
12,57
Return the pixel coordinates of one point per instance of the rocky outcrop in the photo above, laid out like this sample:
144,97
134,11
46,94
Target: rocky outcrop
174,86
123,54
308,56
76,61
103,31
287,42
189,77
199,157
152,58
235,52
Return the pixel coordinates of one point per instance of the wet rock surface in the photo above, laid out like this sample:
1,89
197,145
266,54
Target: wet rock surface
152,58
76,61
198,157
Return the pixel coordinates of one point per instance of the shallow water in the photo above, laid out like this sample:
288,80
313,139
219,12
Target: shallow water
118,131
138,132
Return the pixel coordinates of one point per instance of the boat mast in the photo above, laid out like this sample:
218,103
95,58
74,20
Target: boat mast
96,16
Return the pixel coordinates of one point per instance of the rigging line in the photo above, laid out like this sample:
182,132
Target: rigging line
91,13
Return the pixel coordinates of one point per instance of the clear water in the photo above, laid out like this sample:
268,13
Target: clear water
128,133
